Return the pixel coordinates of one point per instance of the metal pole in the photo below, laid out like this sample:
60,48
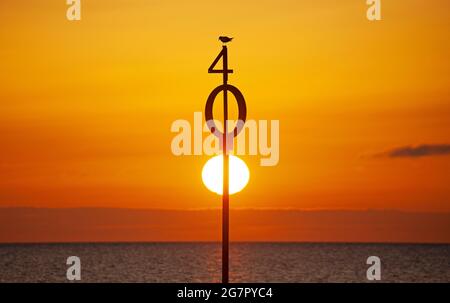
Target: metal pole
225,194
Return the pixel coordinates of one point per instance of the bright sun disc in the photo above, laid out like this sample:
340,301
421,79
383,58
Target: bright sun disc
212,174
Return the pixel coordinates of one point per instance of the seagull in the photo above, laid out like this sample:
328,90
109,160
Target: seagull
225,39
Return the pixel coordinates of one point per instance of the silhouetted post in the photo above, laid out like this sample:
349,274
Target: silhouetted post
225,87
225,195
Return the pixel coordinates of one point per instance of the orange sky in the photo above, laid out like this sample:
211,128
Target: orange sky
144,225
87,106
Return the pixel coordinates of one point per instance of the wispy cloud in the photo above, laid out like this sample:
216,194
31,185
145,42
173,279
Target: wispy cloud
423,150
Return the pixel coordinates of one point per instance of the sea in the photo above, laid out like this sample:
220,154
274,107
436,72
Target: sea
201,262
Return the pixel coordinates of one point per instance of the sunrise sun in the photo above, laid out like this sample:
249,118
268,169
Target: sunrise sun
212,174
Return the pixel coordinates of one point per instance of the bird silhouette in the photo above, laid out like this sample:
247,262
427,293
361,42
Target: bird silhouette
225,39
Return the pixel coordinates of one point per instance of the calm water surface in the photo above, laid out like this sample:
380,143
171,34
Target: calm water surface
201,262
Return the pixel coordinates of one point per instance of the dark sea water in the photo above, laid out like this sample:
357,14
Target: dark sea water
201,262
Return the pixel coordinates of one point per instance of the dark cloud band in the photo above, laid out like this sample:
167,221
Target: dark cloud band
418,151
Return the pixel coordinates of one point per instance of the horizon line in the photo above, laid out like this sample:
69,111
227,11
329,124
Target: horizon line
2,207
235,242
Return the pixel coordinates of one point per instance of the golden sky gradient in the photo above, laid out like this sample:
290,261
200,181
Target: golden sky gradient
87,106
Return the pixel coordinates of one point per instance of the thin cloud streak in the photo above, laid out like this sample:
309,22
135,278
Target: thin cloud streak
424,150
